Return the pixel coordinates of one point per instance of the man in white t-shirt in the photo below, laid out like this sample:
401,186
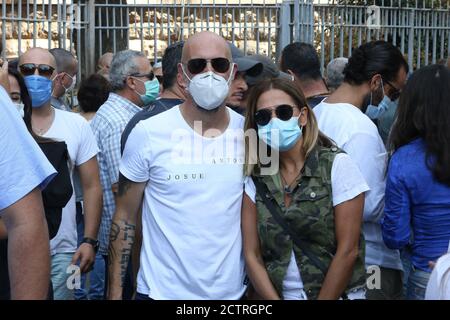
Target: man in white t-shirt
185,166
24,171
38,68
376,71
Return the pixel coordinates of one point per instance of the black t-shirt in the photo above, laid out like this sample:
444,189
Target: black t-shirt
315,100
157,107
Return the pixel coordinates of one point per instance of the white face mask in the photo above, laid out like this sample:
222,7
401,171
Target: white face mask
209,90
74,82
20,106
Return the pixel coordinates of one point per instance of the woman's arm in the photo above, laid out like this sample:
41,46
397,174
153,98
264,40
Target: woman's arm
396,223
348,219
255,265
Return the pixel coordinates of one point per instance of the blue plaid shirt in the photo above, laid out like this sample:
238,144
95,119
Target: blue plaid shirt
108,124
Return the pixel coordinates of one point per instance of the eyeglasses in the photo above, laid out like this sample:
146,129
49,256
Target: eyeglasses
283,112
28,69
221,65
394,96
149,76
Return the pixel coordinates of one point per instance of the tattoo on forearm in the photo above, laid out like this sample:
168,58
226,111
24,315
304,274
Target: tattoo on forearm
115,229
128,231
124,185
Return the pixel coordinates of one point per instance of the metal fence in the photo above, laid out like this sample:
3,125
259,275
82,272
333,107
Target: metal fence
42,23
420,28
151,27
91,28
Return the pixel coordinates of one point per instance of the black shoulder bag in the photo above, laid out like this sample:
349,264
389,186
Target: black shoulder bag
59,191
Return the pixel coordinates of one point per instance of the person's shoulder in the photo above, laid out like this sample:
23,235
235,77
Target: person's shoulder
329,153
338,111
236,117
141,115
71,117
161,119
409,150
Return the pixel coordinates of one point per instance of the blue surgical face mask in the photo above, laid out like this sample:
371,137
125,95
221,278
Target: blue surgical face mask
151,91
374,112
40,90
280,135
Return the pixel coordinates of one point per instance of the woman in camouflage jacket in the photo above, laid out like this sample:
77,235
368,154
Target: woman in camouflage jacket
319,195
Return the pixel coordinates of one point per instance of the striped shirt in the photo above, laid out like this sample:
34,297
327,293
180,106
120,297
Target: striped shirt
108,124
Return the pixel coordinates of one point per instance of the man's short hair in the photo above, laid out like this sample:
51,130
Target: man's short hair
64,60
302,59
123,65
93,93
335,72
170,60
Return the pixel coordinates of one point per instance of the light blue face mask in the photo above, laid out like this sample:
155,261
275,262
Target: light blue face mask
374,112
280,135
151,91
40,90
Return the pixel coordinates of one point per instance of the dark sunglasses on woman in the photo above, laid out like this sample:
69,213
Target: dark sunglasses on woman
283,112
196,66
28,69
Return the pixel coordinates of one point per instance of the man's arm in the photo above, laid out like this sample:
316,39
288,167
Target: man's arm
372,163
122,236
28,247
93,201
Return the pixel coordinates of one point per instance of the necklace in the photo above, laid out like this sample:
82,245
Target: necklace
41,131
287,186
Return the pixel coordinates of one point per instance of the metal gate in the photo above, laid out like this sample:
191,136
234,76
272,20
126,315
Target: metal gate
419,28
90,28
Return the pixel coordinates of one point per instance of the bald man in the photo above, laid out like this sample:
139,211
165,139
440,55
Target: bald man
104,63
66,78
190,185
38,67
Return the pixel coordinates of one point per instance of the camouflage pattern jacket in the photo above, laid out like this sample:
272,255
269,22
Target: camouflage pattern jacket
311,216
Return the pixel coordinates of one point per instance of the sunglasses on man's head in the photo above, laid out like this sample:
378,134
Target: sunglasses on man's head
28,69
196,66
283,112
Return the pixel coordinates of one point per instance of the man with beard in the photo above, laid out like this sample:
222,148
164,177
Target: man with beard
375,72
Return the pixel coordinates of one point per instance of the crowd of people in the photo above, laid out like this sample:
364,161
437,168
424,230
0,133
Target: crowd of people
213,174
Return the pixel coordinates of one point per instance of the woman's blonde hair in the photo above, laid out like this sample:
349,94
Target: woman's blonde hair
310,132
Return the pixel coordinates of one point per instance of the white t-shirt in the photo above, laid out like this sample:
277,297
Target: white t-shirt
191,216
347,182
23,165
439,284
355,133
75,131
